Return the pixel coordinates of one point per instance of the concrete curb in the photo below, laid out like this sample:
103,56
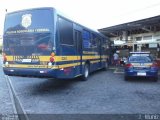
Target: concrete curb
17,105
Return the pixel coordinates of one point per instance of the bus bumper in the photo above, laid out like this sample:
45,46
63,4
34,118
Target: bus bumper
43,72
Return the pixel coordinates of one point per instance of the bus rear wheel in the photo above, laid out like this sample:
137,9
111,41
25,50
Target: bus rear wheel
86,72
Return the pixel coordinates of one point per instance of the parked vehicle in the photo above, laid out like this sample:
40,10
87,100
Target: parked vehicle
41,42
141,64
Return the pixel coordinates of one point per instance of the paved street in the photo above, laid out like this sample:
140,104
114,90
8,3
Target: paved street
103,93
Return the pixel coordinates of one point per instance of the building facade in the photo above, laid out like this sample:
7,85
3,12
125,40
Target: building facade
141,35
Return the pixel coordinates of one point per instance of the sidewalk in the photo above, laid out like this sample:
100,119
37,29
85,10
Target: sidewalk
116,67
6,106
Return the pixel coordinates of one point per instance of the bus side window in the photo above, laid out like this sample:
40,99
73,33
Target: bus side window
86,39
94,41
78,40
65,31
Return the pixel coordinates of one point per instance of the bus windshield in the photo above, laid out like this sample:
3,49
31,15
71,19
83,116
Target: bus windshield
26,44
28,33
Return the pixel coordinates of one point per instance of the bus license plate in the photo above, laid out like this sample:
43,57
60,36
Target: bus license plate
26,60
141,74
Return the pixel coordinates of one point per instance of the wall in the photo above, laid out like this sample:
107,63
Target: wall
155,38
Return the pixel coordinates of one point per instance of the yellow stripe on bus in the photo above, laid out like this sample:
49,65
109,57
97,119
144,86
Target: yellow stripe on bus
59,58
47,58
30,66
46,66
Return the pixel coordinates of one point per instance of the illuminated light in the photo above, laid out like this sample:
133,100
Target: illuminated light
11,70
52,54
6,63
41,71
49,64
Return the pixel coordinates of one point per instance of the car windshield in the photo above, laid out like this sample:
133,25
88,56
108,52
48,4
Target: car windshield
141,59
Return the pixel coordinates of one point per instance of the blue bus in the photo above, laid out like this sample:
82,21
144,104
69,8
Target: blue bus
41,42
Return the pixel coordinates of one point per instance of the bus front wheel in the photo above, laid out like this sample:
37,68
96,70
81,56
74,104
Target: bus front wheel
86,72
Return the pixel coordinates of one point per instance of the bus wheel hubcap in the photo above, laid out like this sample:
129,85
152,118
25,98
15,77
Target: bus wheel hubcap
86,72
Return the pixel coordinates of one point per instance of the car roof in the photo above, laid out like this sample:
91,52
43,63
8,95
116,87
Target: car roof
139,52
140,55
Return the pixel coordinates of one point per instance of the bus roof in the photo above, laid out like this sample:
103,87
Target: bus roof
59,13
40,8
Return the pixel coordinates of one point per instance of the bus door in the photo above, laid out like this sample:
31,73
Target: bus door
78,46
99,52
97,49
103,51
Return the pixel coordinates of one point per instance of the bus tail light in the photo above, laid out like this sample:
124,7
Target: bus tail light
51,59
4,57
